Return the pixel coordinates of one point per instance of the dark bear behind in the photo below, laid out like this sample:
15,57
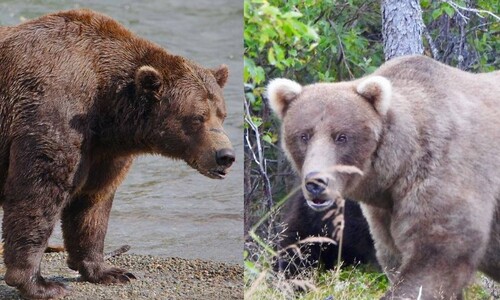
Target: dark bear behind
301,221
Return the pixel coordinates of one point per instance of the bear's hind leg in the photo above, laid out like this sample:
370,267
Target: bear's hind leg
85,222
35,191
23,250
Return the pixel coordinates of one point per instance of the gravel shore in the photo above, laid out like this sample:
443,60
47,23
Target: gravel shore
157,278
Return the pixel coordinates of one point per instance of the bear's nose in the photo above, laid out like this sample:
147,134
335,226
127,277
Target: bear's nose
315,184
224,157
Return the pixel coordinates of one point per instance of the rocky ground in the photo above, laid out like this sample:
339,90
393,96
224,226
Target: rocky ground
157,278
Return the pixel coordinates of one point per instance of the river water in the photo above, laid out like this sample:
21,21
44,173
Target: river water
165,208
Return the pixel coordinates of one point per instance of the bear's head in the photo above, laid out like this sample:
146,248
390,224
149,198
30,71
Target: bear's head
186,114
330,132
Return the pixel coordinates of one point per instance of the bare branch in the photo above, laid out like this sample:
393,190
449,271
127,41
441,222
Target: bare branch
432,45
258,156
342,56
478,12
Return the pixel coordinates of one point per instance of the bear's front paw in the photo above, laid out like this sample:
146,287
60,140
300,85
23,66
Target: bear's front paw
108,276
42,289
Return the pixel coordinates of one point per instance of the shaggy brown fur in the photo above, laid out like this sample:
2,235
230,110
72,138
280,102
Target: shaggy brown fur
426,138
80,96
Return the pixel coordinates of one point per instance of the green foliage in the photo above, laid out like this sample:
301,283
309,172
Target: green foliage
464,38
352,283
347,284
306,39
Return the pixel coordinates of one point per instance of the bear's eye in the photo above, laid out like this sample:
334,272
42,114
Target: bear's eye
197,120
305,137
340,138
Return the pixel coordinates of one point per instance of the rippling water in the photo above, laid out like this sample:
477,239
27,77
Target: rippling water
164,207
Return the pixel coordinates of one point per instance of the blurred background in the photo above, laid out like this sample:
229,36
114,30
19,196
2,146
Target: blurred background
164,207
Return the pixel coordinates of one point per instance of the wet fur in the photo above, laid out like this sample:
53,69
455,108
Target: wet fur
80,97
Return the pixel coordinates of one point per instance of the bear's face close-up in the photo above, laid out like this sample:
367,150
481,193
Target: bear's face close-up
190,115
330,131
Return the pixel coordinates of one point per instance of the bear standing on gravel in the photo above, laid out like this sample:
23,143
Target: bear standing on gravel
80,96
418,143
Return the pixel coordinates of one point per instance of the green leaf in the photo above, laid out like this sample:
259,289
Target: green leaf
267,138
291,14
250,97
257,121
449,10
280,52
250,267
312,46
270,56
270,10
437,13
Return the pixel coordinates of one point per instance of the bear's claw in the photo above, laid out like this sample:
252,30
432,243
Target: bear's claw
110,276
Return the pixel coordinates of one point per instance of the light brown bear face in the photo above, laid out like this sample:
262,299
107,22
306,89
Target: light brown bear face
330,132
186,121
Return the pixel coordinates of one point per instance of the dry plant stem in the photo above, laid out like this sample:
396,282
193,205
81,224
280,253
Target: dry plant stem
345,169
317,239
255,284
308,240
304,284
341,231
252,233
295,249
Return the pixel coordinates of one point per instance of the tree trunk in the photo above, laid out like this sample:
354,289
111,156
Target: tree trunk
402,28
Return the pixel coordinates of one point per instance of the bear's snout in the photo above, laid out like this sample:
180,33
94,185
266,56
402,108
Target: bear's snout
225,157
315,183
316,191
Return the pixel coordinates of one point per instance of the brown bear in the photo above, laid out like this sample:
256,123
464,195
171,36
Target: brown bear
80,97
418,143
302,222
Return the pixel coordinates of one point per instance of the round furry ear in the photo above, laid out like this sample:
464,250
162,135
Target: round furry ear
221,74
281,92
378,91
148,81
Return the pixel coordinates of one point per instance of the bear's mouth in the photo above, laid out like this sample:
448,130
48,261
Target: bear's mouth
217,174
319,204
214,173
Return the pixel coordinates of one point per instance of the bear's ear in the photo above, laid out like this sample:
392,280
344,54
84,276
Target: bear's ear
221,74
281,92
148,81
378,91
